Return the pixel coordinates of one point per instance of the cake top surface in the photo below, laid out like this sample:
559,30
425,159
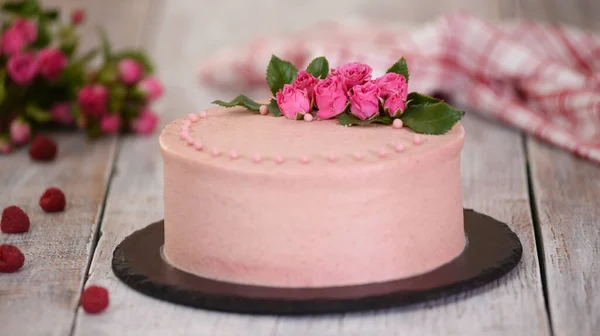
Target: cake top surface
237,137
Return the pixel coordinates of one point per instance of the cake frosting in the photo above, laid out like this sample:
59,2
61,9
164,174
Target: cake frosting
259,200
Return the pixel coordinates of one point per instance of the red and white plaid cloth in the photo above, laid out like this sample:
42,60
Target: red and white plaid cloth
542,79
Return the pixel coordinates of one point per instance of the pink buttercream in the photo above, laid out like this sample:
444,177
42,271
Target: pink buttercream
369,219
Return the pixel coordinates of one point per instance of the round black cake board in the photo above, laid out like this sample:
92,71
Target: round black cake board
491,252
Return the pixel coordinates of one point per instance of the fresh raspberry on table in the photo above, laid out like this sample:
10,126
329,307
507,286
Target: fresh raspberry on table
53,200
94,299
43,148
14,220
11,259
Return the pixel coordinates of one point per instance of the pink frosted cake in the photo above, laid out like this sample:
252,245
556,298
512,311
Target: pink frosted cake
259,200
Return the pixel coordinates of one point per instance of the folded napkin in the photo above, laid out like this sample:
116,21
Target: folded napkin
542,79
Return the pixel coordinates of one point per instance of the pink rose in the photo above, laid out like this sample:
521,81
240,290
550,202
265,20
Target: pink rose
110,123
93,99
130,71
330,97
292,102
394,104
52,62
22,68
392,83
27,28
61,113
77,16
151,88
12,41
364,100
353,74
305,81
19,131
145,123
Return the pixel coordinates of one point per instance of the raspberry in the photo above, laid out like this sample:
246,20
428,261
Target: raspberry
53,200
11,259
14,220
43,148
94,299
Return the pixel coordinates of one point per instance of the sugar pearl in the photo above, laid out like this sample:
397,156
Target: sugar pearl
399,148
234,155
264,110
198,145
397,123
215,151
417,139
279,159
183,135
256,158
202,114
308,117
382,153
304,159
332,158
192,117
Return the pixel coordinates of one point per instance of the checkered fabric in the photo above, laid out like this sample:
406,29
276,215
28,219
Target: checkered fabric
542,79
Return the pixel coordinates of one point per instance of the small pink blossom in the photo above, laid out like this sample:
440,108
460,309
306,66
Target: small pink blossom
145,123
353,74
19,131
61,113
364,100
292,102
22,68
12,41
77,16
93,99
130,71
330,97
394,104
306,81
28,29
52,62
392,83
110,123
151,88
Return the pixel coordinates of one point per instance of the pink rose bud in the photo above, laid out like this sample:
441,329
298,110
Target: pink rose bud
52,62
353,74
22,68
28,29
61,113
394,104
12,41
293,103
305,81
130,71
151,88
110,123
19,131
392,83
330,97
145,123
364,100
77,16
5,146
93,99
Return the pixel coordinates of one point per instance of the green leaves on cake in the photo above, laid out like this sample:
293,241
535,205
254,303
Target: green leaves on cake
349,94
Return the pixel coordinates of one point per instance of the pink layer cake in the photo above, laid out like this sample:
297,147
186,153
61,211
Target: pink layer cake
259,200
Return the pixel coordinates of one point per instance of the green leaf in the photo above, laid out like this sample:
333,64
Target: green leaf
13,7
138,56
2,89
435,118
400,68
43,34
274,108
37,114
51,14
85,58
106,50
319,67
240,100
415,98
279,73
27,8
116,97
347,119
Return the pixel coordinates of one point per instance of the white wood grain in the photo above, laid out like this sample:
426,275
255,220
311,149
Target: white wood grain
492,184
567,191
41,298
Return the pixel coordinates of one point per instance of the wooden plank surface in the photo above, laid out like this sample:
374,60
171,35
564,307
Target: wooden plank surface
41,298
492,184
567,194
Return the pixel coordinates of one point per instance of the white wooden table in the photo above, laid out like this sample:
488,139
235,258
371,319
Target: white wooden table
114,186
